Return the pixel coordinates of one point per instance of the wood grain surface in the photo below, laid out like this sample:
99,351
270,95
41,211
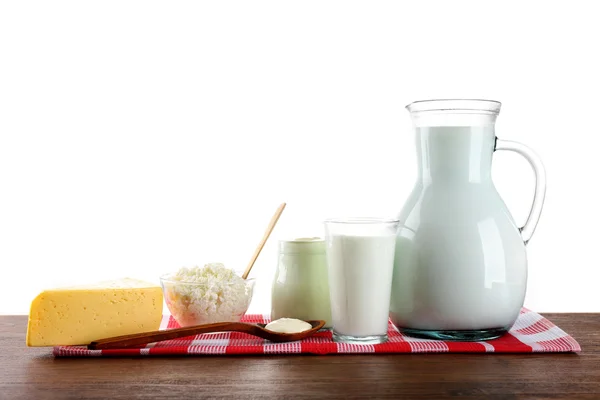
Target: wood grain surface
33,373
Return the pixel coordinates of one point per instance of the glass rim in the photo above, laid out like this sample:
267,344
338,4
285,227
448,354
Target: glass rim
362,220
303,240
482,106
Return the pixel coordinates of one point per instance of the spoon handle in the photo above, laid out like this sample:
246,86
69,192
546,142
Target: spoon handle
260,246
127,341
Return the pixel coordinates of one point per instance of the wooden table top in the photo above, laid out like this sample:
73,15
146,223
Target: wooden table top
33,373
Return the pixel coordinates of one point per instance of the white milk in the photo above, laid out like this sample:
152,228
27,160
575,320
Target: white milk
460,259
360,277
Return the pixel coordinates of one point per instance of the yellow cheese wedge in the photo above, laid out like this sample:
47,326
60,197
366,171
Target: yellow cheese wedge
81,314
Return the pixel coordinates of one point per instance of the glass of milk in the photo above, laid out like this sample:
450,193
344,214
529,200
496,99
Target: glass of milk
360,257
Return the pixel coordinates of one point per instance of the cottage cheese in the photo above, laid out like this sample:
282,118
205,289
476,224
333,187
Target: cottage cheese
202,295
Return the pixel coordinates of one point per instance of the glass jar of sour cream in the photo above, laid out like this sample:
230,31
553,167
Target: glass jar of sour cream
301,286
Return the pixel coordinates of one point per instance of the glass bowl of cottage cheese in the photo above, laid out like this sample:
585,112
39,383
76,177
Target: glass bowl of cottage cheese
205,295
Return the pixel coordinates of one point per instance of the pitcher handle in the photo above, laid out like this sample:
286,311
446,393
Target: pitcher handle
540,184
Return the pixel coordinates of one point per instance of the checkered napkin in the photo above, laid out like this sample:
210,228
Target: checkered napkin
531,333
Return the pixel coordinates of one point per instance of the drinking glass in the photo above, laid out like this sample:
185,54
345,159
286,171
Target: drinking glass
360,258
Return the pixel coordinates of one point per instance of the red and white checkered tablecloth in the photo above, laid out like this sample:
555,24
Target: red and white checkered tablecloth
531,333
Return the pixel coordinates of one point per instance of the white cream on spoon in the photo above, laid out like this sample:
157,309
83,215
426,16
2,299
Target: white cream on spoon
288,325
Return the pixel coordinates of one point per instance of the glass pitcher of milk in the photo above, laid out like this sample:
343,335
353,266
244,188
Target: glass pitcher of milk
460,268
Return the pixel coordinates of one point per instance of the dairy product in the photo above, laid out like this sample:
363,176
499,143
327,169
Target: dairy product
288,325
360,277
203,295
80,314
300,287
461,263
432,292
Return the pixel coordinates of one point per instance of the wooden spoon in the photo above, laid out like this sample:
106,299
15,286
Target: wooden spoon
135,340
260,246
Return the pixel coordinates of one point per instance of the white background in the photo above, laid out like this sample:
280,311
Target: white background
139,137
